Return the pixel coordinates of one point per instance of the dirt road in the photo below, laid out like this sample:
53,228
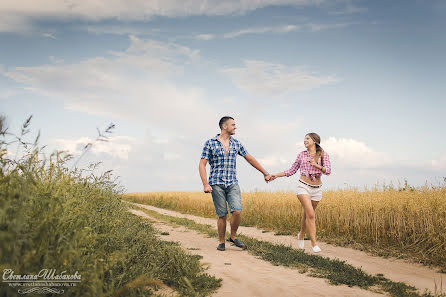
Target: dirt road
246,275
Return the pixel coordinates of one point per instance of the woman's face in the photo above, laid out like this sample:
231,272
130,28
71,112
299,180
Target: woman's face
308,142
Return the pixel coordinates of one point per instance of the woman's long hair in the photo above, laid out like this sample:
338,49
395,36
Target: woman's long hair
319,150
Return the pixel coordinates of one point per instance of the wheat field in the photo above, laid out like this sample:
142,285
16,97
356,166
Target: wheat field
405,222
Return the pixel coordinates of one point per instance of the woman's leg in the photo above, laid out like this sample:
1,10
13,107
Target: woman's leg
310,225
314,204
303,227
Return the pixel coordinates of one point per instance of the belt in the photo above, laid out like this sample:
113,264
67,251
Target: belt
313,186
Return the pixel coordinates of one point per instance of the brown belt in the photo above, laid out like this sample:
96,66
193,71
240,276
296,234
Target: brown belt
313,186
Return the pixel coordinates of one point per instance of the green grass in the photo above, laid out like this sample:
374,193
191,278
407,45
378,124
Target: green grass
282,233
335,271
52,217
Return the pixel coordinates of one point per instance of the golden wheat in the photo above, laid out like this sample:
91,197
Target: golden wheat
406,221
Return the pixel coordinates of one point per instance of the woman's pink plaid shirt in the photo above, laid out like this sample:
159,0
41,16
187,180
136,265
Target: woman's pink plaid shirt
303,162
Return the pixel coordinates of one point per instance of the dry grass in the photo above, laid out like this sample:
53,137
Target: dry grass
398,222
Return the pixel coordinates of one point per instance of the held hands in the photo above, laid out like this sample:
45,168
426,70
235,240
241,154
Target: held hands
270,177
267,178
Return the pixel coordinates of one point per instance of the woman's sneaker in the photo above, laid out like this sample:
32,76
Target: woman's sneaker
300,243
221,247
316,249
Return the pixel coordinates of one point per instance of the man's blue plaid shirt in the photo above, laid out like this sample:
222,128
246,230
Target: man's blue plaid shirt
223,166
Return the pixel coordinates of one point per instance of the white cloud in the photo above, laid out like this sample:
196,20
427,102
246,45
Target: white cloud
160,50
116,146
261,30
5,93
263,78
13,23
274,30
48,35
273,160
160,140
56,60
204,36
141,84
120,29
171,156
351,153
439,163
19,15
320,27
349,8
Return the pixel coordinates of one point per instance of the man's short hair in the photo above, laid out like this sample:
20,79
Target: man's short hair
223,120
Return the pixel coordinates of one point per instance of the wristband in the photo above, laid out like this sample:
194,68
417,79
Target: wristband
266,174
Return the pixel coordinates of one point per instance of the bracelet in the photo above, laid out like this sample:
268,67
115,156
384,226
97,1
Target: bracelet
266,174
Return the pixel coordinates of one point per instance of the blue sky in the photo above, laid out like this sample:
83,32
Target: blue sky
367,76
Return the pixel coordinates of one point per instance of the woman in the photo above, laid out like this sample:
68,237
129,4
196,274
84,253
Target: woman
312,162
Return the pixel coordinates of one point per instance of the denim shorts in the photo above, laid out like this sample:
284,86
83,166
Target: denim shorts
222,195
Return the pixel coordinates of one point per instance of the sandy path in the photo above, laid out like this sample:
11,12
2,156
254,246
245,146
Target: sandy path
245,275
416,275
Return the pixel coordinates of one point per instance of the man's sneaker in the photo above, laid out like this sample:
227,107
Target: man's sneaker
300,243
316,249
221,247
237,243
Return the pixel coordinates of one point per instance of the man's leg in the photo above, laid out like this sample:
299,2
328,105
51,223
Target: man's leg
219,198
235,207
221,226
236,218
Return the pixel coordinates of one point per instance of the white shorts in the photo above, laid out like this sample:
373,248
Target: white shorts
314,193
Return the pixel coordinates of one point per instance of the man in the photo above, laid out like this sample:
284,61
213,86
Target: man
221,152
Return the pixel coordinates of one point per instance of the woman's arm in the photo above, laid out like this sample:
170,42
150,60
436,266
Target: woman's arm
294,167
276,175
291,171
326,169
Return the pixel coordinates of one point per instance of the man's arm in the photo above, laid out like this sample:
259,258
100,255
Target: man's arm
254,163
202,169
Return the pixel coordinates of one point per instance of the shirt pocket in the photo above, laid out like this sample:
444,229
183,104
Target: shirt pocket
233,151
218,153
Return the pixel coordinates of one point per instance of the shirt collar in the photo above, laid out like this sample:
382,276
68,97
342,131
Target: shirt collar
308,152
230,138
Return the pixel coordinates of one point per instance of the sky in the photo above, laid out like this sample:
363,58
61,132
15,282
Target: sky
368,76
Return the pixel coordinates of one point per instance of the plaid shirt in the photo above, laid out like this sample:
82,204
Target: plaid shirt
303,162
223,166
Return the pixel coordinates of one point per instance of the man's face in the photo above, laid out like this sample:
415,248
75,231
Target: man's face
229,127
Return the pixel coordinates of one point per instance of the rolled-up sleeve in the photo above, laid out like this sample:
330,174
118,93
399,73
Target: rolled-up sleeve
327,164
295,166
206,150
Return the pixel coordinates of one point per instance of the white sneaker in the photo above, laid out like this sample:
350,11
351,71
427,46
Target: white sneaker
316,249
300,243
